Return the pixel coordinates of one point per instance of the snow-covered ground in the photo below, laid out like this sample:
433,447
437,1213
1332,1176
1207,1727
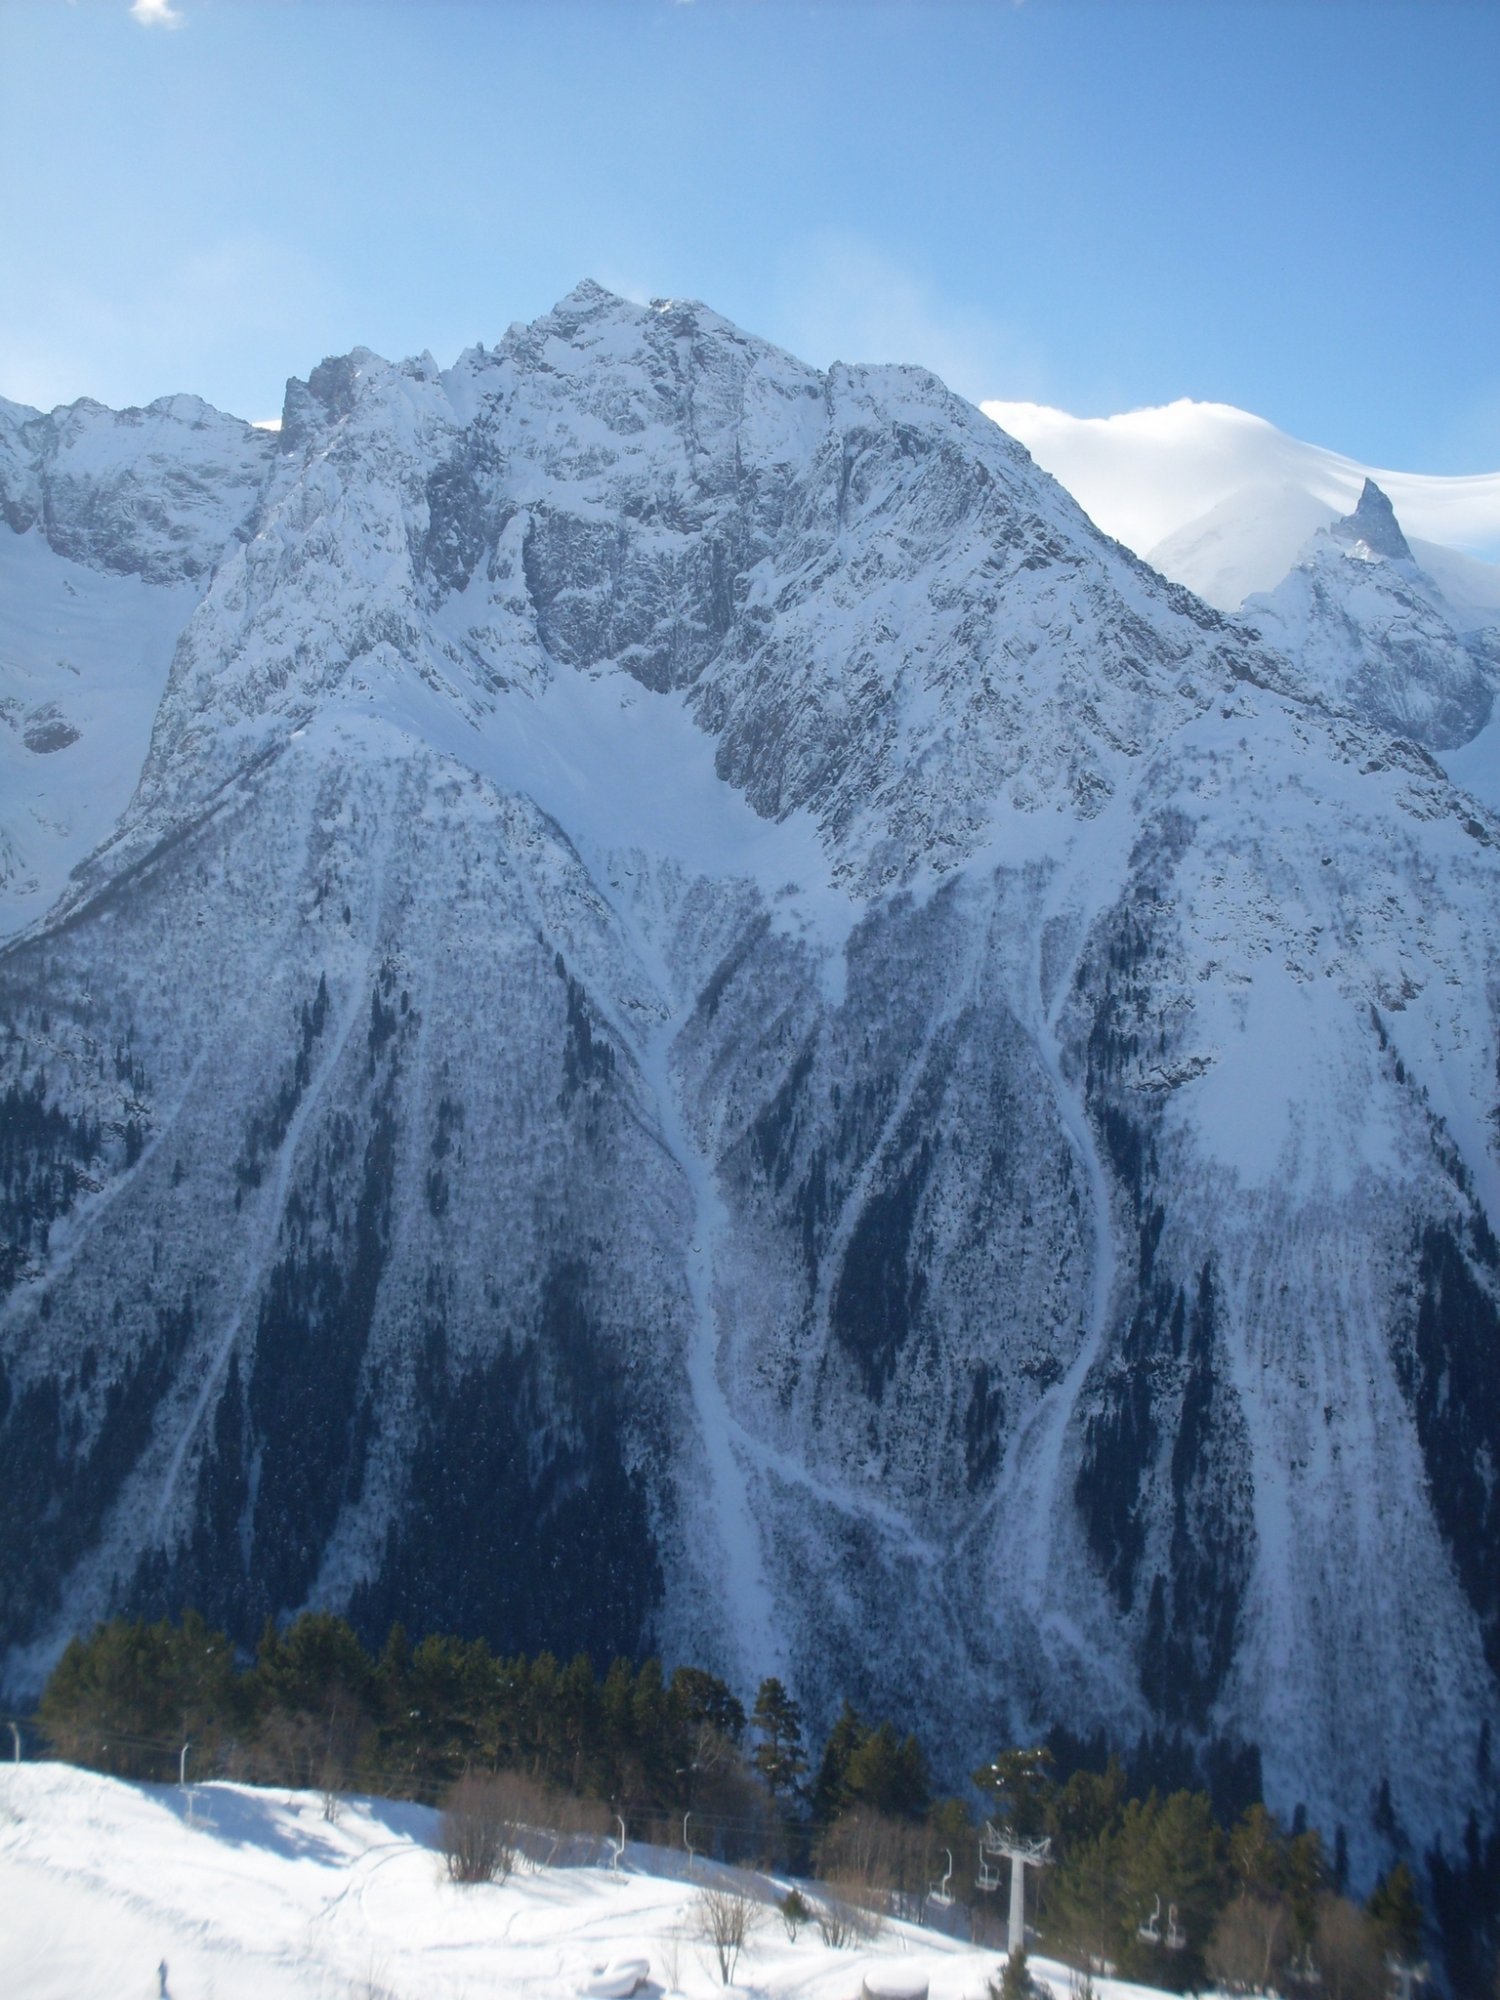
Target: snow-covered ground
129,1891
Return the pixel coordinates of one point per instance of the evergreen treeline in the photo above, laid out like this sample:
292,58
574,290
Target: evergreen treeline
1155,1887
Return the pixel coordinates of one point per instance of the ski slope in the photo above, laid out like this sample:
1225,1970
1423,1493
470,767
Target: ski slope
114,1891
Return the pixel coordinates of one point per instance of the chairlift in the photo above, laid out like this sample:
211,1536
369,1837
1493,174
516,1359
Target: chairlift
940,1893
988,1877
618,1847
1150,1931
1176,1935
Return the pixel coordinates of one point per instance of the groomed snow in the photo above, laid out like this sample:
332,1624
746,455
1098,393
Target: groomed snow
125,1891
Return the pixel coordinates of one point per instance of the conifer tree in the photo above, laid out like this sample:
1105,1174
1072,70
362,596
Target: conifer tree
780,1756
888,1775
830,1794
1396,1911
1021,1786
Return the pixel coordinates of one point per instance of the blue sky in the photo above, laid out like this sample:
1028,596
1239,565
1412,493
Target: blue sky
1292,205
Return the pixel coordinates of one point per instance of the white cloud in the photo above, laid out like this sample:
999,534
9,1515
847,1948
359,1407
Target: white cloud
155,13
1208,470
841,299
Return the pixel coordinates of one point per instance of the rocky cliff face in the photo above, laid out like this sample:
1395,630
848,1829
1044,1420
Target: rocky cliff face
714,1025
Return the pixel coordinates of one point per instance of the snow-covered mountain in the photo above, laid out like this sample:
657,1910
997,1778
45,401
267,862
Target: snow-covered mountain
1223,502
715,1024
116,519
1374,632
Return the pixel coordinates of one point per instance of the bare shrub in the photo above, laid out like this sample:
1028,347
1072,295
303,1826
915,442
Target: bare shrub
554,1829
1251,1943
888,1860
723,1919
843,1920
578,1830
477,1832
669,1951
1346,1948
333,1803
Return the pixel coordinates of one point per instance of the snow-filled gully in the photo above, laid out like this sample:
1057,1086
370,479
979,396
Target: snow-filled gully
1030,1494
746,1594
1034,1477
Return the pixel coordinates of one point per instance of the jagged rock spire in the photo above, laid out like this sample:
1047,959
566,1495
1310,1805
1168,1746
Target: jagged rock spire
1374,523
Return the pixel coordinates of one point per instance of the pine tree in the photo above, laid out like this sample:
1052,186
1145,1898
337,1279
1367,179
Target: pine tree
1396,1911
888,1775
1021,1785
780,1756
1085,1906
830,1794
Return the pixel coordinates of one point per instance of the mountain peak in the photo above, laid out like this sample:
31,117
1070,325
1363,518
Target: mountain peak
586,297
1374,523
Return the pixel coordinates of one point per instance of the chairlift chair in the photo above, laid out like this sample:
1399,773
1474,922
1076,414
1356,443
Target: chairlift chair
989,1875
1150,1931
1176,1935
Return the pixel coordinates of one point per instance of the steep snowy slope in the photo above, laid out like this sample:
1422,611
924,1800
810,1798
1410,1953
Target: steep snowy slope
112,522
1375,634
714,1024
